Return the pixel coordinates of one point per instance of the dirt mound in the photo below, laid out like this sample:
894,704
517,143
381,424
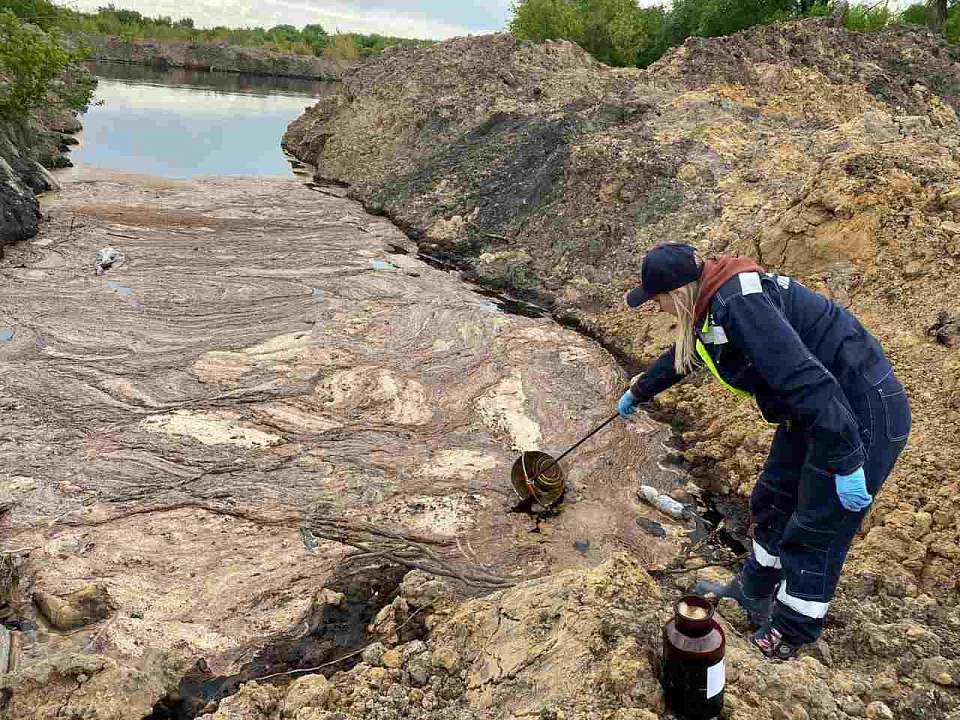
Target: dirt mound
889,65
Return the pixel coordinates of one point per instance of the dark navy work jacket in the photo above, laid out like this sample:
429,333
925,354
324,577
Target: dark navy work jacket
801,355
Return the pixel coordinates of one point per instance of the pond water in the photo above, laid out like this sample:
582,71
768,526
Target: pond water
182,124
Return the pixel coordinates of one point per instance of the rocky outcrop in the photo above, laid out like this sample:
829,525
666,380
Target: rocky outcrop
19,209
88,686
216,57
82,607
27,149
829,155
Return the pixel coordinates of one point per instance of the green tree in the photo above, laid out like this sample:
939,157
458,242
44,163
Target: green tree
285,33
952,27
39,12
655,42
124,17
916,14
342,47
32,66
863,18
548,20
712,18
618,32
316,37
613,30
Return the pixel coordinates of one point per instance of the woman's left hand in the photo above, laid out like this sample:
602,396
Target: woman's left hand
852,490
628,405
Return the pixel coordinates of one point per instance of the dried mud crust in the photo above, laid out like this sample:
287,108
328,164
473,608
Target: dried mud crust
827,155
268,358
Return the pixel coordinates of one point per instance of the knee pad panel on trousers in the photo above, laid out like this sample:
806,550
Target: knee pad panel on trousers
805,553
770,507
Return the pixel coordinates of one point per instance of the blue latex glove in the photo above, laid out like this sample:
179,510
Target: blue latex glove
852,490
628,405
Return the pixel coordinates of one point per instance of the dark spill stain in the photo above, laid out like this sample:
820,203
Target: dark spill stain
651,528
334,632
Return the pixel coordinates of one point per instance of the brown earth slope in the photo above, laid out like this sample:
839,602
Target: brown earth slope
829,155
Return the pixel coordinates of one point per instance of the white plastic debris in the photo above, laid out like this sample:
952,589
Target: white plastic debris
664,503
107,258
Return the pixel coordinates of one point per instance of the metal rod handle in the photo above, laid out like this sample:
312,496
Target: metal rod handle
593,432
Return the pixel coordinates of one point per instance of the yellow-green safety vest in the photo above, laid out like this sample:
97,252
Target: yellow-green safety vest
712,366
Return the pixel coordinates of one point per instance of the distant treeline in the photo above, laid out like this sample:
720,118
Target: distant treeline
620,32
132,25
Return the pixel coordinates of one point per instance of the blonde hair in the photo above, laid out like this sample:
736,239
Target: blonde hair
685,300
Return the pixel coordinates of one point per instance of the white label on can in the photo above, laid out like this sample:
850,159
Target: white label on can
716,678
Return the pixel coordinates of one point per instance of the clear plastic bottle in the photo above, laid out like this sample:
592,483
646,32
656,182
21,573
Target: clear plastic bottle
693,665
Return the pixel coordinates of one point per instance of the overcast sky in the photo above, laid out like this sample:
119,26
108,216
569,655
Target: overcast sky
436,19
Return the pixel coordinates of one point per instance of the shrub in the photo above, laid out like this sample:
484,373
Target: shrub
916,14
619,32
819,9
38,12
952,29
341,47
35,69
710,18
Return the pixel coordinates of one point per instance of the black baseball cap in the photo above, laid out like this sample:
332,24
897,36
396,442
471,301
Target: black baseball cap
666,267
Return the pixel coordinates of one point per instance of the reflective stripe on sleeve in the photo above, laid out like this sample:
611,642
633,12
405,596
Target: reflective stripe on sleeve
765,559
809,608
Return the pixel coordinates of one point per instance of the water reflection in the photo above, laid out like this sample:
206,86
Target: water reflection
203,80
182,123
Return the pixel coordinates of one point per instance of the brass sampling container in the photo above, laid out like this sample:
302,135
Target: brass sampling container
537,475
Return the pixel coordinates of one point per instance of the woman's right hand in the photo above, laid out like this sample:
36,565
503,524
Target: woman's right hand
628,405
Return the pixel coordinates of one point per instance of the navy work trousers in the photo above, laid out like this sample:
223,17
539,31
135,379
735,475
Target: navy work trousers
801,532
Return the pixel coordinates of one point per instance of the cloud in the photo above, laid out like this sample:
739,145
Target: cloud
437,19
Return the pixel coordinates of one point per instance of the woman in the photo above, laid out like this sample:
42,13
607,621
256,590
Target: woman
843,419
